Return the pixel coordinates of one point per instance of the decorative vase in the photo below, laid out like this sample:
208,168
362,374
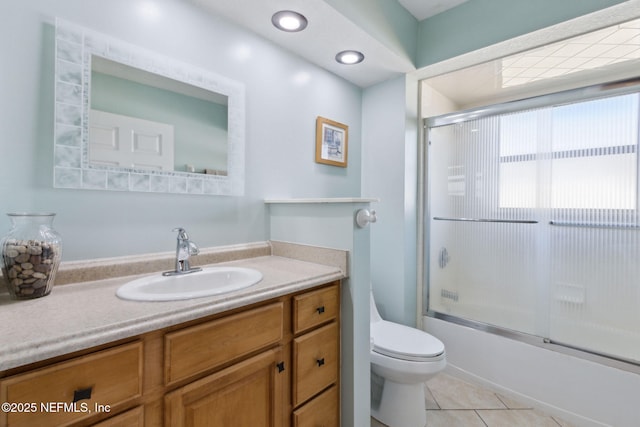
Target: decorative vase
31,255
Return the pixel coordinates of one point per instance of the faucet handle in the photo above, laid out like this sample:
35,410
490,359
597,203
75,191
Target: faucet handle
182,233
193,248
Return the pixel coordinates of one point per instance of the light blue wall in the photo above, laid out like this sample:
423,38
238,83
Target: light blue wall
284,96
389,160
479,23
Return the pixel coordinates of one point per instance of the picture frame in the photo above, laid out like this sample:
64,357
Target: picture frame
332,142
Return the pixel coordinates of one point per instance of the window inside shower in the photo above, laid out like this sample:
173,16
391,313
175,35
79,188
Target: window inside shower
532,218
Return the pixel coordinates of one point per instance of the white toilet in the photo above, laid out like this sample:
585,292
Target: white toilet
405,358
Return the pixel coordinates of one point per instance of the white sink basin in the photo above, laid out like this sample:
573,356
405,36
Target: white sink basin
209,281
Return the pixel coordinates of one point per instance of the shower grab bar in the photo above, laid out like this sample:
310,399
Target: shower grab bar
594,225
509,221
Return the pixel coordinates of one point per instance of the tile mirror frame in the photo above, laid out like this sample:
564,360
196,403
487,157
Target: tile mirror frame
74,48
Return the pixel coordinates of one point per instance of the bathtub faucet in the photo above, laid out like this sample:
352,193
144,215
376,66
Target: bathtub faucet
184,249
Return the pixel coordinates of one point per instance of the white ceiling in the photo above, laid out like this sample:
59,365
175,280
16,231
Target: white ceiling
328,33
423,9
604,55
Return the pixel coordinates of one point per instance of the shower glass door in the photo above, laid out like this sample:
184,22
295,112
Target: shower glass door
533,222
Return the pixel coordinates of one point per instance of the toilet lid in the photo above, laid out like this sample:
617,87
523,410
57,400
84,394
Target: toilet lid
403,342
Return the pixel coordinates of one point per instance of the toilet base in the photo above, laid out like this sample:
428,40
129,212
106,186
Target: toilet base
401,405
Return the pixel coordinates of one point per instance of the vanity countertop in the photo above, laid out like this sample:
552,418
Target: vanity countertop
82,315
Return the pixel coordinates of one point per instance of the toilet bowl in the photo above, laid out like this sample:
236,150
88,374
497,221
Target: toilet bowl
404,358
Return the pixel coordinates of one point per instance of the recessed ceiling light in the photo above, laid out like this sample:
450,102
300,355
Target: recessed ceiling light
288,20
349,57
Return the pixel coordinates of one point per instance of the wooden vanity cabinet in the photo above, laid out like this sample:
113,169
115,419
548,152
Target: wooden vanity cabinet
206,346
316,358
75,390
131,418
272,364
248,393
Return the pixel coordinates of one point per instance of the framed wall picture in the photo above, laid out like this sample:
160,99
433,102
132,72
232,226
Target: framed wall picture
331,142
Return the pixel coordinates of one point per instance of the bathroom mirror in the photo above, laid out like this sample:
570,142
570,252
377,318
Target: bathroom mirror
128,119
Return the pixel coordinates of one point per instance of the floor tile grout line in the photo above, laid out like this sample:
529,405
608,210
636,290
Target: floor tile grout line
556,421
482,419
433,396
500,398
501,401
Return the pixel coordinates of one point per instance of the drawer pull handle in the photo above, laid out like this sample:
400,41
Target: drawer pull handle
320,309
84,393
320,362
280,367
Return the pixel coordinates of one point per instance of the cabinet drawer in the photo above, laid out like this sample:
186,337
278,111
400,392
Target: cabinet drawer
315,362
200,348
108,377
314,308
321,411
131,418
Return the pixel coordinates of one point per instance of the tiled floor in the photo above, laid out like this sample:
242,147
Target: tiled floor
451,402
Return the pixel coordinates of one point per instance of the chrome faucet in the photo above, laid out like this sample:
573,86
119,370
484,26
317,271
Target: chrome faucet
184,249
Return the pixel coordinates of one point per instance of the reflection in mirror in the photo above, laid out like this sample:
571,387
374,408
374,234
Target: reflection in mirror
130,120
143,120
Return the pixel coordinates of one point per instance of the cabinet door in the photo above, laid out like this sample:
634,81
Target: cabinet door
247,394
